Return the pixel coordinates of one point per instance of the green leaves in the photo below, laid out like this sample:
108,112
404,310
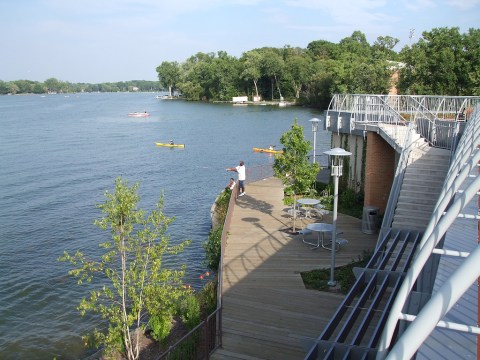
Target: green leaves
292,167
442,62
131,267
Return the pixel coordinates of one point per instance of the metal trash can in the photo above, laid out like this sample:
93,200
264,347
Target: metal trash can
370,219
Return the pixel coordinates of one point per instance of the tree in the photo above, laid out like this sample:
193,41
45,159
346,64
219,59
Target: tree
53,84
292,166
273,67
471,42
297,69
442,62
132,266
169,75
386,44
356,44
252,62
225,70
322,49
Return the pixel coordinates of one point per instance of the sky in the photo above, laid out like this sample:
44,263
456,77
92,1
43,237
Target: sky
96,41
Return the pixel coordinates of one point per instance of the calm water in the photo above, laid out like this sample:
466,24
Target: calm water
59,154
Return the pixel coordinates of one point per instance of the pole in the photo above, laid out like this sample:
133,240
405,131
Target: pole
314,144
335,172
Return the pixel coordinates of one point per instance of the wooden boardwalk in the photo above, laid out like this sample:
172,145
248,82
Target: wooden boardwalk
267,312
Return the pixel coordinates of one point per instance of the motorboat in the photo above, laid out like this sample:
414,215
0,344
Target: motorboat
139,114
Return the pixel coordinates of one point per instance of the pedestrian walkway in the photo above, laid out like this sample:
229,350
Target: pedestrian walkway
267,312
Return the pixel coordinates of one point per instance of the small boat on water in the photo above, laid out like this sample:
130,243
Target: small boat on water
270,151
139,114
170,145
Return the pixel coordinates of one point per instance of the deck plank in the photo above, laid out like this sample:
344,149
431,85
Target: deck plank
267,312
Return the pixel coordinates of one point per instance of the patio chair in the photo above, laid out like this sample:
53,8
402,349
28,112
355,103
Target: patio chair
339,242
305,232
319,211
298,212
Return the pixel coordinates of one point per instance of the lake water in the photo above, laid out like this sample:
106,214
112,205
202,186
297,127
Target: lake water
59,154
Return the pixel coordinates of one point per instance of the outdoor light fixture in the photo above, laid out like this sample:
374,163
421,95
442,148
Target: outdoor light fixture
336,156
314,122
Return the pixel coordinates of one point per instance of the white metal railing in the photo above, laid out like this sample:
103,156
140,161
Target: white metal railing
440,107
456,194
436,118
397,183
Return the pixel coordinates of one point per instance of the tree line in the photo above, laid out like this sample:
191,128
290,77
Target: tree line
53,85
442,62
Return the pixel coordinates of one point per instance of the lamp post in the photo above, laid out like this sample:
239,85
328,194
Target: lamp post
314,122
337,155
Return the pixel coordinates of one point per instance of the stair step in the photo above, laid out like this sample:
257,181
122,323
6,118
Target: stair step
413,218
404,211
427,171
426,167
416,199
409,205
421,187
433,184
409,225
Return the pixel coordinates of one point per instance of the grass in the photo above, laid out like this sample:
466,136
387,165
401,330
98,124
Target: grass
318,279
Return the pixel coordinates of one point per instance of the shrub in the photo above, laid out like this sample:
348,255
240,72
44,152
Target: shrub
190,311
318,279
213,248
161,325
208,297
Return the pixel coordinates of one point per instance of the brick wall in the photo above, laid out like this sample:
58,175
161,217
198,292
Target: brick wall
379,171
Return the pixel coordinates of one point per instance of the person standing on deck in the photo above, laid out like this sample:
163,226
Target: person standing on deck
240,170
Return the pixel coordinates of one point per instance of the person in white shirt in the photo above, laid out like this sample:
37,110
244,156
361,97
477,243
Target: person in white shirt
240,170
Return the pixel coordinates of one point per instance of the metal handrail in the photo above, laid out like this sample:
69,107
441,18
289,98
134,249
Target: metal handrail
443,217
396,185
436,118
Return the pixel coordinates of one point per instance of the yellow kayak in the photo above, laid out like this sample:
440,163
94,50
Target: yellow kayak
268,151
170,145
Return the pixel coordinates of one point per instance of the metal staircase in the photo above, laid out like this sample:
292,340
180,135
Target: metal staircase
394,305
421,186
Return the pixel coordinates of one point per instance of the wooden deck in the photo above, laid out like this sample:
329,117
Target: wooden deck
267,312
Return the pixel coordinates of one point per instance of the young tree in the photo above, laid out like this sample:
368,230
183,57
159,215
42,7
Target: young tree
292,166
132,266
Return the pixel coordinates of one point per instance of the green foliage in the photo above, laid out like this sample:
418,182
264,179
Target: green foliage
213,248
169,75
131,267
351,203
190,311
318,279
160,326
326,198
292,166
208,297
442,62
54,85
213,245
